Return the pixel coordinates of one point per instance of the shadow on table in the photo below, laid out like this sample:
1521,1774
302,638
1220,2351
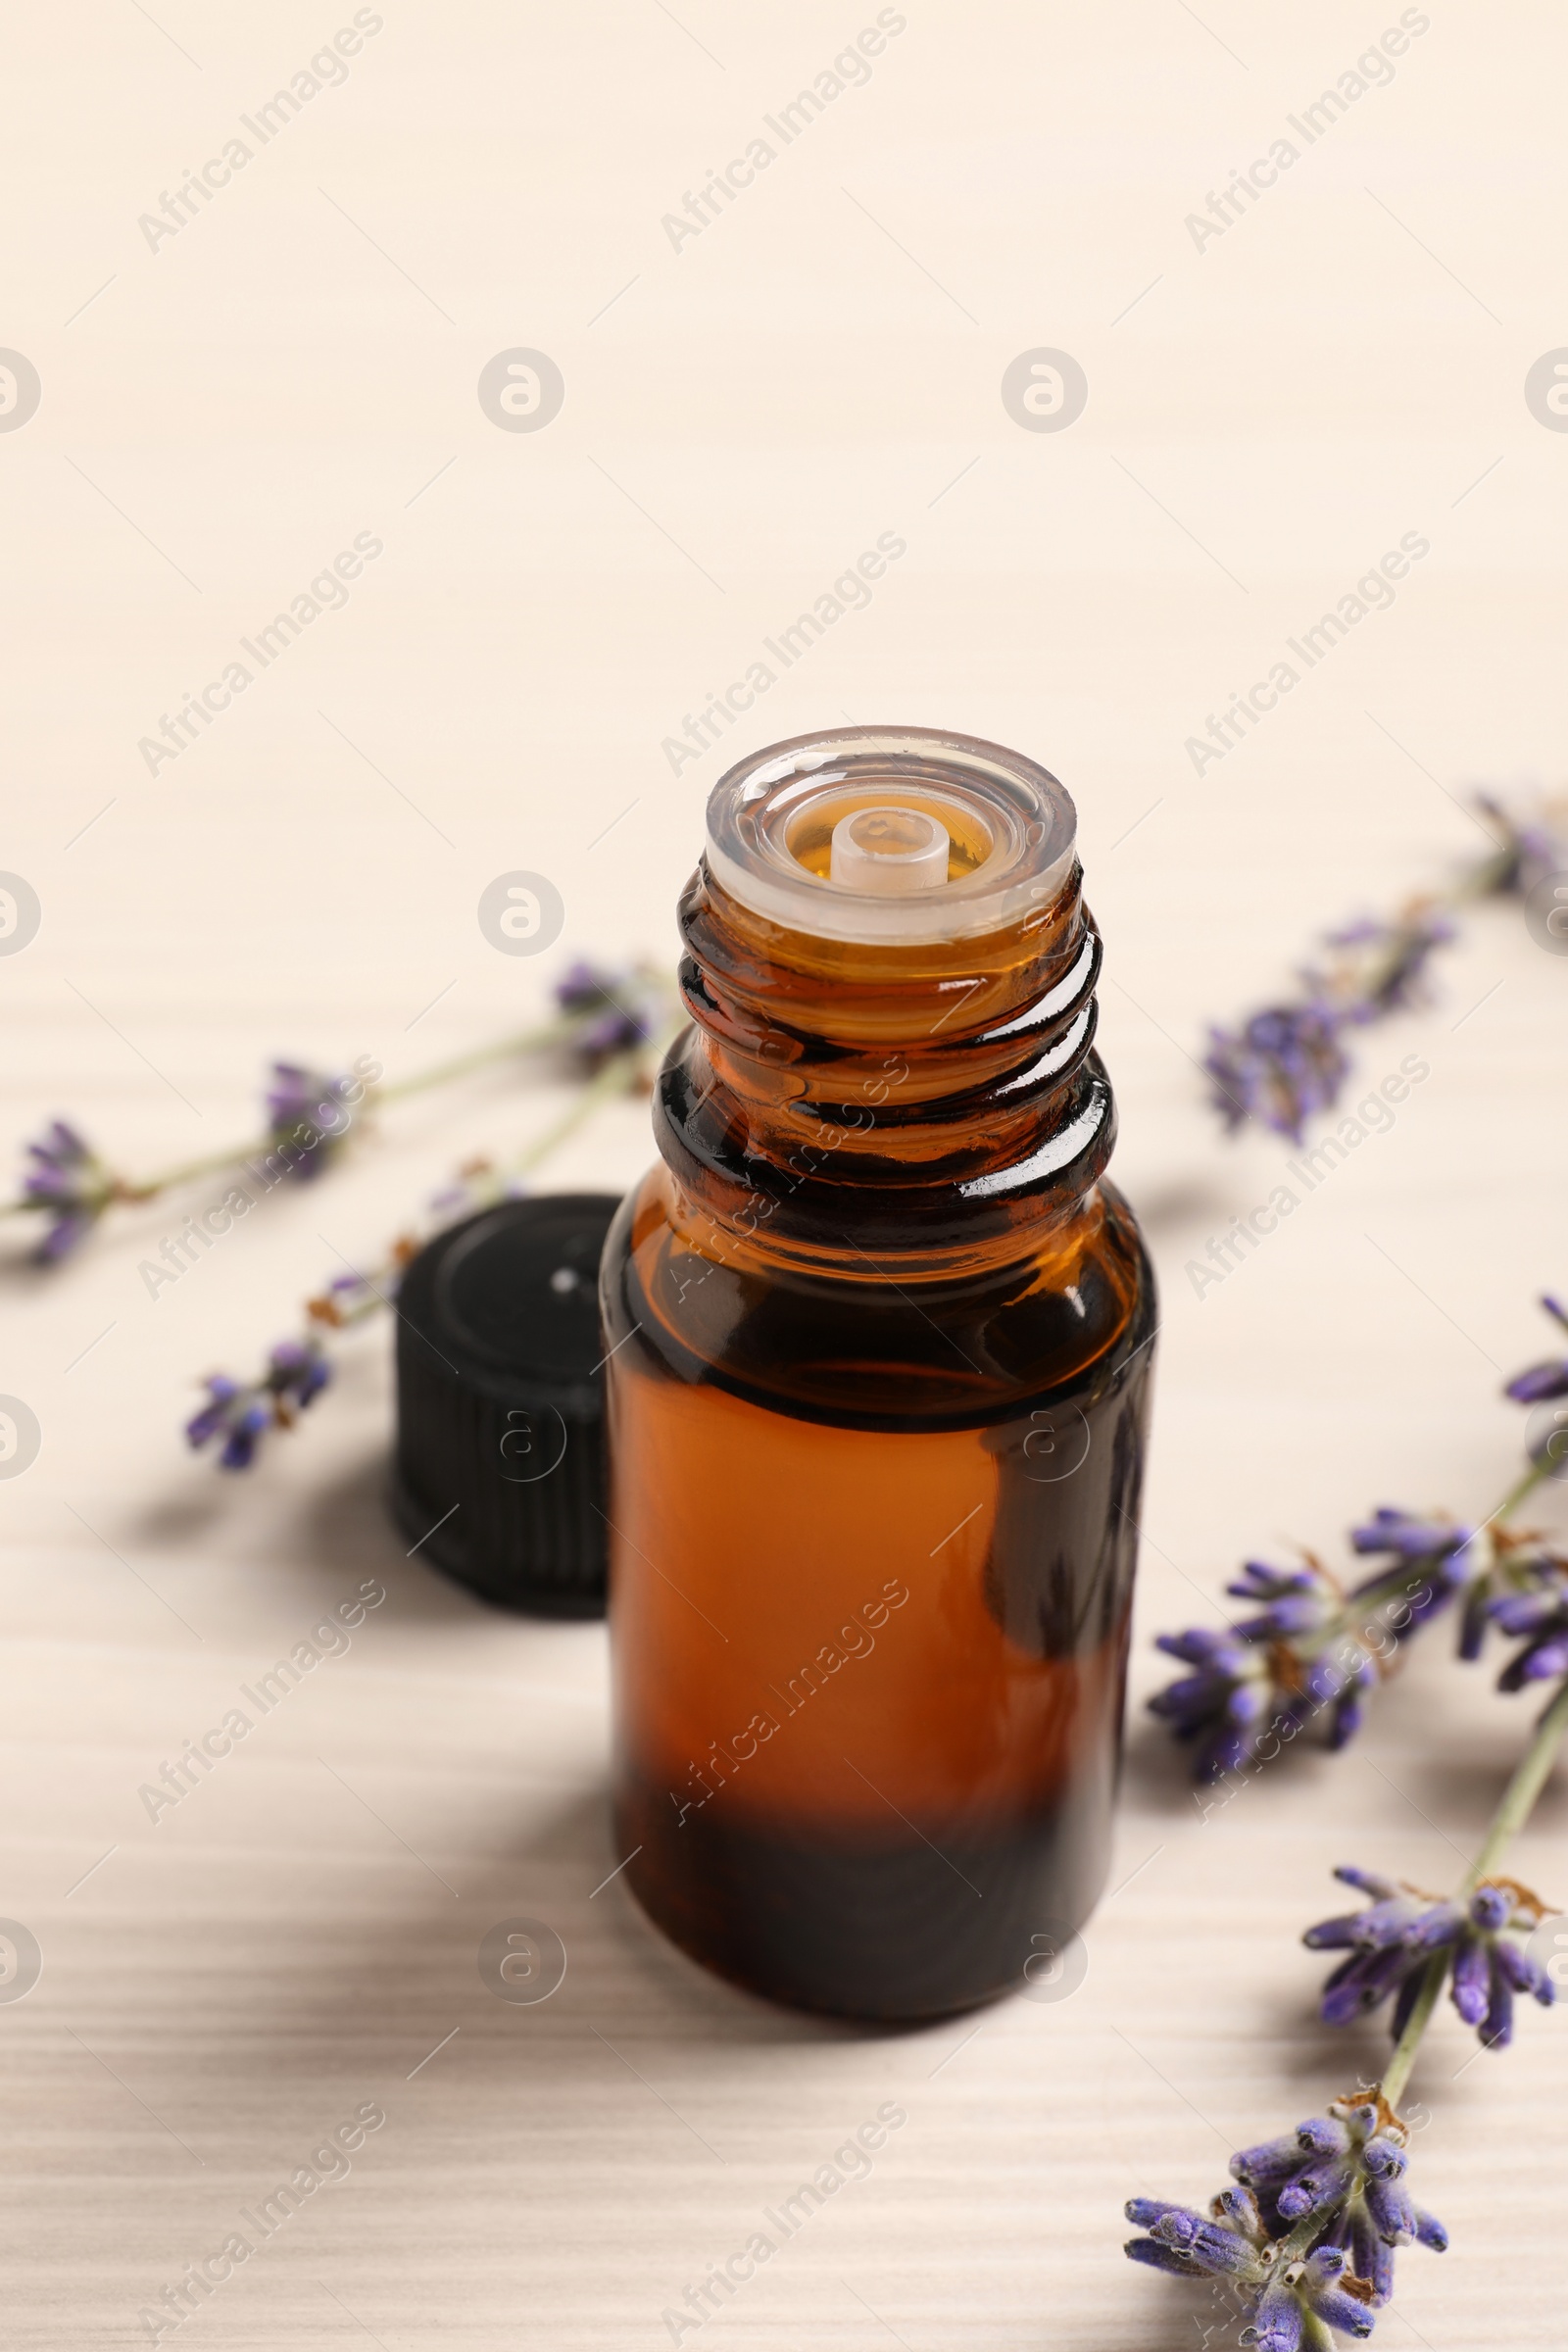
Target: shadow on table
521,1840
1157,1771
331,1538
554,1861
346,1532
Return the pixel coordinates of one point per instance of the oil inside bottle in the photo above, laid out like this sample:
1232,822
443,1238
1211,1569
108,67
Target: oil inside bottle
877,1402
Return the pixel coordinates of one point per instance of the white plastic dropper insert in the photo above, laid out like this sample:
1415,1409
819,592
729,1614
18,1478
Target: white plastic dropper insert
888,850
891,835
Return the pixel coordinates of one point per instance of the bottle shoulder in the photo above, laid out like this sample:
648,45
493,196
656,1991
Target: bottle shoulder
690,1299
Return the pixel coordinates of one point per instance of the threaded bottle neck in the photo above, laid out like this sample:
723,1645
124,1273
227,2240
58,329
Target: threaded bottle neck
875,1064
938,1099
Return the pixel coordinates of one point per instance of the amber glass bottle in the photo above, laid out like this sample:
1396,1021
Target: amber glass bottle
881,1344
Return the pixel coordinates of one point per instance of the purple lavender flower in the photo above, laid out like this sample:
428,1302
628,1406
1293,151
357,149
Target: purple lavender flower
1542,1381
297,1371
1286,1063
1346,2165
347,1297
1390,1941
1525,1593
1222,1704
309,1113
1314,1664
1230,2243
1393,1940
1444,1545
1393,959
1288,1059
1439,1554
70,1185
618,1008
1268,1675
1526,853
233,1412
1540,1619
1341,2171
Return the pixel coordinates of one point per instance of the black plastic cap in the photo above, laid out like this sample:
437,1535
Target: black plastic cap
499,1471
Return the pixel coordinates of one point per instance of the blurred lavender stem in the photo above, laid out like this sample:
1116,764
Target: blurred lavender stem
1289,1062
1514,1810
148,1188
74,1187
1522,1487
614,1076
528,1041
240,1413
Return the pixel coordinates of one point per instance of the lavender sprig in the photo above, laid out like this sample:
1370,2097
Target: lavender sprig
1316,1648
70,1185
310,1112
1289,1061
309,1115
1303,2248
239,1412
1392,1938
348,1300
1283,1064
1306,2242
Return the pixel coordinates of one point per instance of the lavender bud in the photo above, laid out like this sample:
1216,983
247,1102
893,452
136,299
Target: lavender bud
1278,2326
1237,2207
1335,1935
1497,2031
1145,2211
1391,2213
1491,1908
1272,2160
1342,2312
1317,2185
1373,2257
1367,1880
1384,2159
1322,2136
1524,1974
1430,2231
1472,1980
1161,2258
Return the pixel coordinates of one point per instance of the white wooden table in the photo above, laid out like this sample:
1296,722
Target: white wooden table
223,409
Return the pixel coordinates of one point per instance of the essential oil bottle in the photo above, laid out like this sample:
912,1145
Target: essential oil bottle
881,1340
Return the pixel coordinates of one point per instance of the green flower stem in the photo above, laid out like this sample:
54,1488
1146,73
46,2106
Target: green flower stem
530,1041
1402,1581
1300,2241
125,1188
1519,1797
1402,2062
1518,1801
613,1078
150,1187
1526,1485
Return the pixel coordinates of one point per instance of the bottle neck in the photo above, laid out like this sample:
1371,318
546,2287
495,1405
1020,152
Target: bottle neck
934,1107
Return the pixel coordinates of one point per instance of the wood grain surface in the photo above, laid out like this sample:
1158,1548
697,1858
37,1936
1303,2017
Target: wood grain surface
223,408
